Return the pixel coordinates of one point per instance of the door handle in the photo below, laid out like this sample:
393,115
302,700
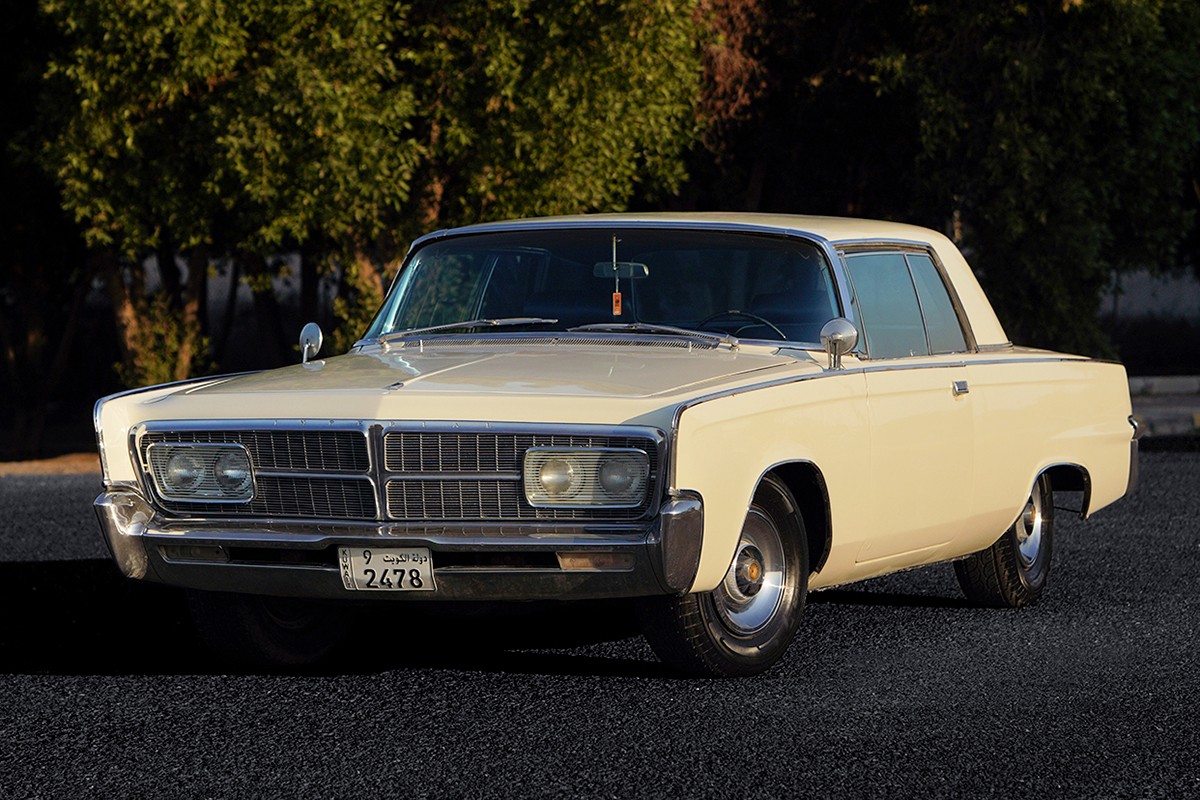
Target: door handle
961,387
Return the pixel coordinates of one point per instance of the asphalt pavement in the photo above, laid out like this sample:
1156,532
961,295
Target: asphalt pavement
895,688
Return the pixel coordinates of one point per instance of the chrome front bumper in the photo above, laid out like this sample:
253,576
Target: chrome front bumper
471,561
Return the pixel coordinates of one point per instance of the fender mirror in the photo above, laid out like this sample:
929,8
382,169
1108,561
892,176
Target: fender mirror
838,337
310,341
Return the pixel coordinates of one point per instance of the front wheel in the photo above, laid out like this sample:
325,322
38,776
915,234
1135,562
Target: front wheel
746,624
265,631
1014,570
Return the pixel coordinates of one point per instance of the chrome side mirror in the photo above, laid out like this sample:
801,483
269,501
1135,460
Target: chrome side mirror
310,341
838,337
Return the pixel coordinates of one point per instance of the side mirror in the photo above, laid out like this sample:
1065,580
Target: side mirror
310,341
838,337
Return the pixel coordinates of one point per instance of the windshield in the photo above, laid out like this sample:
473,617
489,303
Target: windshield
747,285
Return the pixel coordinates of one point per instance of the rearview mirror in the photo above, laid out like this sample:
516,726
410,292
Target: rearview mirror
622,269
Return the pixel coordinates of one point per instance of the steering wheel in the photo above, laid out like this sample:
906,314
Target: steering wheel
733,312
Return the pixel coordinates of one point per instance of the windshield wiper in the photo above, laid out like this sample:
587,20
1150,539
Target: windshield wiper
506,322
646,327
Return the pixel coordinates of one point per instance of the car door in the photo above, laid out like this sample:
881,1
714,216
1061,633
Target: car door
922,454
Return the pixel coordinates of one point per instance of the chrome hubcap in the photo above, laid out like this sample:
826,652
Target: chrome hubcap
1029,527
752,590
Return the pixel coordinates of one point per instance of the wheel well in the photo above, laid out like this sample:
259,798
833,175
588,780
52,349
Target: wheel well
1071,478
807,485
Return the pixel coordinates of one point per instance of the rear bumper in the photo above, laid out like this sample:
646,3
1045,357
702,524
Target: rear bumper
1138,432
471,561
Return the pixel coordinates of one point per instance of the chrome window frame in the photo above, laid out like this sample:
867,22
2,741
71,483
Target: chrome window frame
825,246
855,247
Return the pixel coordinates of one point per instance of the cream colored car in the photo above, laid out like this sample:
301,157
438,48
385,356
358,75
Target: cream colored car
714,414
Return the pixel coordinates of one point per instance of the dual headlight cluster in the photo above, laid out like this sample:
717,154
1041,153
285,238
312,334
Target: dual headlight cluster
202,472
553,476
583,477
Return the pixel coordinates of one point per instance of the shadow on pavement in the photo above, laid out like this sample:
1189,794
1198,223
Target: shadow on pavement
84,618
865,597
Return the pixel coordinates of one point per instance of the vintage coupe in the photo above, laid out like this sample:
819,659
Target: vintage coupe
714,414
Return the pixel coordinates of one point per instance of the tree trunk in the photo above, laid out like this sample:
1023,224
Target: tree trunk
308,286
227,319
190,335
266,311
108,265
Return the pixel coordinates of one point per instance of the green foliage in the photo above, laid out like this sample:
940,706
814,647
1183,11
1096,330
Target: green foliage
363,286
350,126
1061,132
1059,139
244,126
159,343
531,108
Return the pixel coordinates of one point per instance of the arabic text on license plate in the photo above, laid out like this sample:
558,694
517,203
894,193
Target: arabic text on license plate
386,569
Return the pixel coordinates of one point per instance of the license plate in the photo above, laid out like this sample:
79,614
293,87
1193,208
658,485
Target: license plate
386,569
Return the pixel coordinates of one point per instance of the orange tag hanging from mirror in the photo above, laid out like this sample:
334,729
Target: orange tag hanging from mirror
616,304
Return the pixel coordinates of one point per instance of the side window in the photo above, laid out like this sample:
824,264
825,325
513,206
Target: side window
945,332
887,304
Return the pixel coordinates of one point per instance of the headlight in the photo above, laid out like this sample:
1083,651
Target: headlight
208,473
586,477
233,471
556,477
184,473
623,477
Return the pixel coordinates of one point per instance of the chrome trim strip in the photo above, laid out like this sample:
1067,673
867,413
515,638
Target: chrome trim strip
608,222
893,365
452,476
860,244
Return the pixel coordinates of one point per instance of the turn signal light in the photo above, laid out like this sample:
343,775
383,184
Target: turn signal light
612,562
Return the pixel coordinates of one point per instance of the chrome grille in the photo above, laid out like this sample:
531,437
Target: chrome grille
497,457
309,451
449,475
481,500
418,451
294,496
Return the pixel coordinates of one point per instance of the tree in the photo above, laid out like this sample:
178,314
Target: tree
223,130
1053,138
43,275
1062,133
344,128
549,108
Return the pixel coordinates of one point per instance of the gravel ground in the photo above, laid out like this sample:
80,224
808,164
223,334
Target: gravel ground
896,687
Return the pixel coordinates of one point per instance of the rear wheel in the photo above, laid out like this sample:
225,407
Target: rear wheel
267,631
746,624
1014,570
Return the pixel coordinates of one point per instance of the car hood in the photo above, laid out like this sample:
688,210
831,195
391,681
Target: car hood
615,372
565,383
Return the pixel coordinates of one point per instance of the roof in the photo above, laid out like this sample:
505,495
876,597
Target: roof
832,229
